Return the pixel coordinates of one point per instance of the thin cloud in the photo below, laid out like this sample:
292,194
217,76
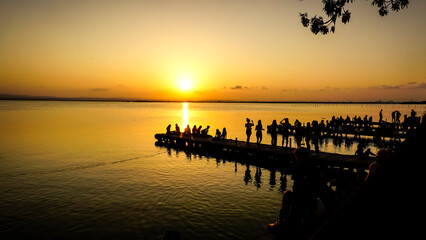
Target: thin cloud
386,87
420,86
327,88
238,87
99,89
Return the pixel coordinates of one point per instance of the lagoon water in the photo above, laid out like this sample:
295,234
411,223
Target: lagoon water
90,170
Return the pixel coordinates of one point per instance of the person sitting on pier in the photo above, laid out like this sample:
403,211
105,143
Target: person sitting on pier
205,131
177,129
194,130
217,135
199,130
168,132
259,130
360,151
286,127
248,126
224,133
187,131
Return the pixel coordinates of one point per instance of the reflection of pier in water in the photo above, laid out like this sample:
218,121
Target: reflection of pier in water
243,166
340,173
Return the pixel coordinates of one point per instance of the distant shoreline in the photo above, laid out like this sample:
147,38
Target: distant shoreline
89,99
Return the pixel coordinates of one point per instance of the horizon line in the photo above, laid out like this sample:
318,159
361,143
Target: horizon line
106,99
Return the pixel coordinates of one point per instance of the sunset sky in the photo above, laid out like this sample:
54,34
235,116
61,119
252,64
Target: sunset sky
248,50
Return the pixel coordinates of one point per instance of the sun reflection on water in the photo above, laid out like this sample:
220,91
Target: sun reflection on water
185,114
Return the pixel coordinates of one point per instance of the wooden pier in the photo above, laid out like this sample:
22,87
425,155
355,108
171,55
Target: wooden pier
267,153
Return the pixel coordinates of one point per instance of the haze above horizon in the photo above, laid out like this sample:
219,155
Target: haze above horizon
210,50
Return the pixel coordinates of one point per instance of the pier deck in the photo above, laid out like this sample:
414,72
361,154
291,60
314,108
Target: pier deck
263,152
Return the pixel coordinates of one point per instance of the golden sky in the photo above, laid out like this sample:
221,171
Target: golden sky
249,50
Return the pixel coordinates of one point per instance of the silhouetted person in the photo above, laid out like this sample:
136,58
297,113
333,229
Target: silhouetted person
224,133
248,126
285,131
205,131
218,134
298,132
194,130
168,129
298,206
187,131
316,134
375,167
298,124
308,132
413,114
397,116
393,116
306,185
360,151
199,130
177,129
380,115
259,130
273,132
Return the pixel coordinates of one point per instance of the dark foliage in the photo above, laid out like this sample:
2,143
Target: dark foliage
335,9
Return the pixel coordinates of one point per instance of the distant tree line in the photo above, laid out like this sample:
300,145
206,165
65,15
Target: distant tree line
335,9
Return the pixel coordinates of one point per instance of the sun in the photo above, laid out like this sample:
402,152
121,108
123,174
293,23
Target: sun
185,84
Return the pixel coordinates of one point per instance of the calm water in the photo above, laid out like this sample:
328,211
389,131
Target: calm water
90,170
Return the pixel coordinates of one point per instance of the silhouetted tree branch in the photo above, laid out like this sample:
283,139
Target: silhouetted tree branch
335,9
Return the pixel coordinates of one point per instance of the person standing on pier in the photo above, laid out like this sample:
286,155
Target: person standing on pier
397,116
286,127
273,132
248,126
259,130
413,114
298,132
380,115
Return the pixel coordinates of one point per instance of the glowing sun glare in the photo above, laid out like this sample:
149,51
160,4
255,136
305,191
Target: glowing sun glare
185,84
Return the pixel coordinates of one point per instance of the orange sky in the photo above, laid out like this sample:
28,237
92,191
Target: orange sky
229,50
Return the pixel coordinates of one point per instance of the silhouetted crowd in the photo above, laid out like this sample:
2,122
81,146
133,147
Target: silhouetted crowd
312,198
196,131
